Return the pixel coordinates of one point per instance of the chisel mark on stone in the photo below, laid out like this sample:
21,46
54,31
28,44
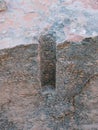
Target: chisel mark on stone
47,60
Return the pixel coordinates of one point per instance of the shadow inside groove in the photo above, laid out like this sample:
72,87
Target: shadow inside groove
47,54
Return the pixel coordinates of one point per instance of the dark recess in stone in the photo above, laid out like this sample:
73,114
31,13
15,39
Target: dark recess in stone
47,50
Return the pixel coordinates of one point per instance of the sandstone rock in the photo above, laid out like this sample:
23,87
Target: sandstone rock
19,85
72,20
72,105
42,88
2,5
77,79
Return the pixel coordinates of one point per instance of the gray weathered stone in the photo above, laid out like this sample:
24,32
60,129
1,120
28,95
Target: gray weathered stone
72,105
77,80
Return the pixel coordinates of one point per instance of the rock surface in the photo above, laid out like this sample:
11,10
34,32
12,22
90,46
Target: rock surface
72,105
19,87
24,20
77,80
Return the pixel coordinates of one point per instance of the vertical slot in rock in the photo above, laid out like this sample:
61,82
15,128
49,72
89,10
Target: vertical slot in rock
47,50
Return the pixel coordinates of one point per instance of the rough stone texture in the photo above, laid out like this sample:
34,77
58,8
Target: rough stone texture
72,105
19,87
2,5
24,20
77,80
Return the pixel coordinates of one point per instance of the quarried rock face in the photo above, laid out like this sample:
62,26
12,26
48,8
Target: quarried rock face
19,87
77,80
71,105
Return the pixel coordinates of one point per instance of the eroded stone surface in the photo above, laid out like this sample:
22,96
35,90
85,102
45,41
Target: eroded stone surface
24,20
19,87
77,79
73,105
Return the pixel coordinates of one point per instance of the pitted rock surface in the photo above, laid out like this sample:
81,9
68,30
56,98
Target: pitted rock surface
72,105
77,79
25,20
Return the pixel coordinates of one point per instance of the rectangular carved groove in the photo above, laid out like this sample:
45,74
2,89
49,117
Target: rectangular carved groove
47,60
